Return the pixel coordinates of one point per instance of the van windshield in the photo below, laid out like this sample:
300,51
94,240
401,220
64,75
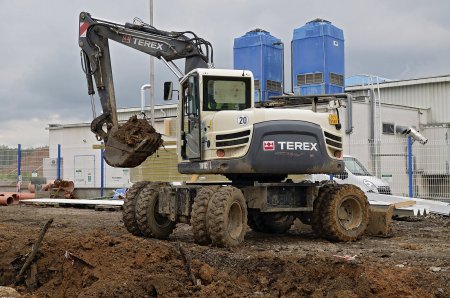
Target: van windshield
355,167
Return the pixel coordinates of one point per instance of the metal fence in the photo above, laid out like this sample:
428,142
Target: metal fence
411,169
18,165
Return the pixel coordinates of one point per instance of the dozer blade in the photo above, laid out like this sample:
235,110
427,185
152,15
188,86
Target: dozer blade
130,144
380,218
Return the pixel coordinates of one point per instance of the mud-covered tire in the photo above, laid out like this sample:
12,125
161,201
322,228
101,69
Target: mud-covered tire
129,208
316,216
270,223
227,217
150,223
345,214
198,216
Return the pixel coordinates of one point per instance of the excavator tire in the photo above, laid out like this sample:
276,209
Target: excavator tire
150,222
316,217
198,215
129,208
227,217
345,214
270,223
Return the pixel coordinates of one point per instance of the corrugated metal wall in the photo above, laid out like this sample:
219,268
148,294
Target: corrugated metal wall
430,95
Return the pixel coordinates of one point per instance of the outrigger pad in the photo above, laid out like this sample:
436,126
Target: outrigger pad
131,144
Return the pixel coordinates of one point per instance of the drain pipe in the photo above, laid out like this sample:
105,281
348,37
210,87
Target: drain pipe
349,128
152,104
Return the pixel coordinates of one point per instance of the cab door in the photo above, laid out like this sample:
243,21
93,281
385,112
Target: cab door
190,130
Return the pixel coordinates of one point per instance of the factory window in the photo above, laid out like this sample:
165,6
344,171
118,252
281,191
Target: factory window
273,85
336,79
388,128
309,78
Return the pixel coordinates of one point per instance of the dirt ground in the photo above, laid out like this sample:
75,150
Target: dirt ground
88,253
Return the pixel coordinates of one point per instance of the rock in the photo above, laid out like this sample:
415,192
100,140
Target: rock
400,266
8,292
206,273
435,269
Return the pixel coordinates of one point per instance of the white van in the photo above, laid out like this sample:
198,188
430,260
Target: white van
355,173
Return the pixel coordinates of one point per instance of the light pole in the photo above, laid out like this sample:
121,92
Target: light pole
152,67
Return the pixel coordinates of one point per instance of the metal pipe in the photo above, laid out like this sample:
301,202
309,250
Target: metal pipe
19,162
143,88
171,68
282,62
292,69
102,171
58,163
349,128
152,64
152,102
410,170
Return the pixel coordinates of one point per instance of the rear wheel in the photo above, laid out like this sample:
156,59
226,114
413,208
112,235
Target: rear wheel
150,222
227,217
345,214
316,216
129,208
271,223
198,215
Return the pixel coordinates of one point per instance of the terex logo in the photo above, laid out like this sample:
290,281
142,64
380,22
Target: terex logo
306,146
269,146
148,43
291,146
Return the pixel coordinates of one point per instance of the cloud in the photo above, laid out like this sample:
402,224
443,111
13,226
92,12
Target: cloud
40,70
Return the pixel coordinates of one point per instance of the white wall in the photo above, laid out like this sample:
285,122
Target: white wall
81,163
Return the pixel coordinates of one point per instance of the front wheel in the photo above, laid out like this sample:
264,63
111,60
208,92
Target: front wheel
227,217
345,213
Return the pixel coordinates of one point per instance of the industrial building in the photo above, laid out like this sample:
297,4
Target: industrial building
372,138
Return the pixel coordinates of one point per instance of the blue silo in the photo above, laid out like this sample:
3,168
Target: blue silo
317,58
262,54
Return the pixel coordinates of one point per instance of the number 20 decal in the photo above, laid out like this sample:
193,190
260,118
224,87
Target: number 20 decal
242,120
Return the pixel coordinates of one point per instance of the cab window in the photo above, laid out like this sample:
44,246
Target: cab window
225,93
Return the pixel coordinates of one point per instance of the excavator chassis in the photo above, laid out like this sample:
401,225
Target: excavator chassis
219,213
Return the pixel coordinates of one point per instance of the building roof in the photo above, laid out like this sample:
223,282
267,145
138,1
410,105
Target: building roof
400,83
161,112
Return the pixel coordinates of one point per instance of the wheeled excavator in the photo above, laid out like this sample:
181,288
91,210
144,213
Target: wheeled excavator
221,131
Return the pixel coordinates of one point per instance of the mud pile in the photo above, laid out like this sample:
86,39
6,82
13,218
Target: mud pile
89,254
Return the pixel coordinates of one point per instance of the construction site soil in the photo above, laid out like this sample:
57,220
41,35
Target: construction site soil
88,253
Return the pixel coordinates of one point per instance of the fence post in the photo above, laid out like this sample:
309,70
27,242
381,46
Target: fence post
410,169
19,162
102,171
58,163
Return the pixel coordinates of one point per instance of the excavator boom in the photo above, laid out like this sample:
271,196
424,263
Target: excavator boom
94,36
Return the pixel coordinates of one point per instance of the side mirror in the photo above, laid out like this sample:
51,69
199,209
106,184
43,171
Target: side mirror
168,89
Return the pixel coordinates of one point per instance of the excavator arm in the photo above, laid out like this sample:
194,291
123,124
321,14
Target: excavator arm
94,36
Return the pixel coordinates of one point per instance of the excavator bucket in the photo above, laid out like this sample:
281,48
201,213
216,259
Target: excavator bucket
131,144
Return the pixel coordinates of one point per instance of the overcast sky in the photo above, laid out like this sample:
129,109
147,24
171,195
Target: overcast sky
41,80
